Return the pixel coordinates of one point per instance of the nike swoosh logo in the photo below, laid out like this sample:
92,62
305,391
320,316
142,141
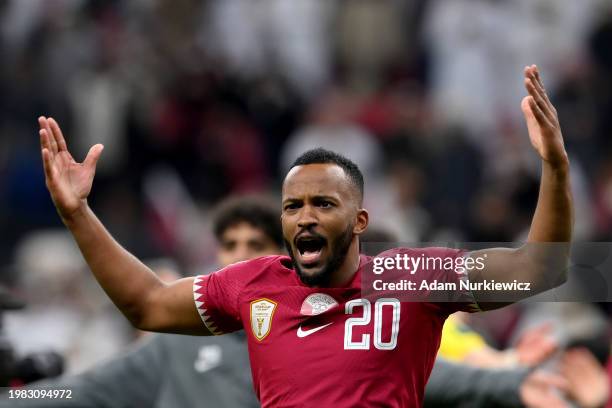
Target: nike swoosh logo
303,333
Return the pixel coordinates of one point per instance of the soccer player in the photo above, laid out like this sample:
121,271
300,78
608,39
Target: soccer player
312,337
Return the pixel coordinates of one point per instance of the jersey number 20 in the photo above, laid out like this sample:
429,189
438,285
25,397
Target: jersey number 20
364,342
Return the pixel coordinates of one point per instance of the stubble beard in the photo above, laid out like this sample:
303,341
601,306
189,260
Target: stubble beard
323,277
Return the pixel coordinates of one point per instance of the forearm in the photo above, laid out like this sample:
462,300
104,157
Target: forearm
546,253
542,260
456,385
126,280
553,217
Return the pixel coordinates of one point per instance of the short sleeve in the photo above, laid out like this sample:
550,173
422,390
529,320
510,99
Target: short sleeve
217,298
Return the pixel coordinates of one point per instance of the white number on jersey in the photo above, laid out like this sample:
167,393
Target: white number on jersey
364,342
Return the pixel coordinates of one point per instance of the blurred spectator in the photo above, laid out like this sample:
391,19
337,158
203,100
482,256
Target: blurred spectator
64,303
331,126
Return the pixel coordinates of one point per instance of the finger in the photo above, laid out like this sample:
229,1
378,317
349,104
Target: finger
537,95
541,118
531,74
580,357
44,124
532,111
41,122
57,134
45,142
52,141
48,165
536,74
526,108
540,86
553,380
93,156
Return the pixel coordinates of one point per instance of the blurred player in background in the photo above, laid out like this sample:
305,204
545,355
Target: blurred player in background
289,305
168,370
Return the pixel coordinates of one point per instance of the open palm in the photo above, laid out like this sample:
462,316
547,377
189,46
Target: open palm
542,120
68,182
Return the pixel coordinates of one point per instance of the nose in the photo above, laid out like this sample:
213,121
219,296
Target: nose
307,217
242,254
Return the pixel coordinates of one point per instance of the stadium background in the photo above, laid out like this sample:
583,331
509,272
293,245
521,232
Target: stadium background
197,100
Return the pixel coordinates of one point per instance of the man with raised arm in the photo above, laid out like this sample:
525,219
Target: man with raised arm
312,336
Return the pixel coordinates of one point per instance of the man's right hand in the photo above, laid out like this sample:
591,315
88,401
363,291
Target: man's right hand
68,182
541,389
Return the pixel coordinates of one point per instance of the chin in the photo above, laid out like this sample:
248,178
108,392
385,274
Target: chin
313,277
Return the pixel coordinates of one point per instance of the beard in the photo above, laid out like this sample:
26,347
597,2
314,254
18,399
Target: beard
338,251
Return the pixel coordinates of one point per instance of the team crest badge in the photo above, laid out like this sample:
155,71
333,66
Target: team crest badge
262,311
317,303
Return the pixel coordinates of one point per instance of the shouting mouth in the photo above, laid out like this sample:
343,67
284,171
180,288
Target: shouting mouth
310,249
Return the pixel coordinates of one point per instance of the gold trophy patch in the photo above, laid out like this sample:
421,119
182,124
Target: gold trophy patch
262,311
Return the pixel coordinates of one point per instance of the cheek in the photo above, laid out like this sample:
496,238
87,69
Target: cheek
223,258
337,225
288,226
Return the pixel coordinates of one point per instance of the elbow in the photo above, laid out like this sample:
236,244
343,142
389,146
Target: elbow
557,269
143,323
146,314
562,274
547,264
139,313
136,317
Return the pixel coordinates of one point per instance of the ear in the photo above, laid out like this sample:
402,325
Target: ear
362,221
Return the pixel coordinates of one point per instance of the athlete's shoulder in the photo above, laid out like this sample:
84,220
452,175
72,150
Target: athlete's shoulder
257,268
262,263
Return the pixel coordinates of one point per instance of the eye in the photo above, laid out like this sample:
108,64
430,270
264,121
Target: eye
257,246
326,204
228,245
291,206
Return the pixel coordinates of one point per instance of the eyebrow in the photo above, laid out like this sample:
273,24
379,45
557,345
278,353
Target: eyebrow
317,197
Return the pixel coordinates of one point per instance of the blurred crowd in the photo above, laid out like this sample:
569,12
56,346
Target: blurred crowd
195,100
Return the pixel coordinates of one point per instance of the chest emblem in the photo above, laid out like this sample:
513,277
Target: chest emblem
262,311
317,303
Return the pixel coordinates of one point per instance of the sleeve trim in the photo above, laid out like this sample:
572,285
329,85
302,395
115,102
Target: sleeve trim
198,297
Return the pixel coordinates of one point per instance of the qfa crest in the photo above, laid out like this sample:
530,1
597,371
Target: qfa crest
317,303
262,311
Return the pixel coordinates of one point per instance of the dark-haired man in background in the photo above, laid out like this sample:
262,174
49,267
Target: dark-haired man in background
167,370
312,337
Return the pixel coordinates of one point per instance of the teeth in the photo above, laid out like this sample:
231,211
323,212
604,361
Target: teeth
310,256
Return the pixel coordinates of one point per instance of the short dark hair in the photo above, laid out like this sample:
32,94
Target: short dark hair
254,210
323,156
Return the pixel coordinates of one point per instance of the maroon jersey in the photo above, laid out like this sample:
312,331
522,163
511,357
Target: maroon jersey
326,346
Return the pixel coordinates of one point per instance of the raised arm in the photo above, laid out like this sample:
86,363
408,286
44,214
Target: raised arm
142,297
542,261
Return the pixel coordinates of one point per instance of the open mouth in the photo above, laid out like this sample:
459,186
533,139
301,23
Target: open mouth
310,248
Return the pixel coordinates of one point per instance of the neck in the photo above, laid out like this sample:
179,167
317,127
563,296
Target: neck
347,270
